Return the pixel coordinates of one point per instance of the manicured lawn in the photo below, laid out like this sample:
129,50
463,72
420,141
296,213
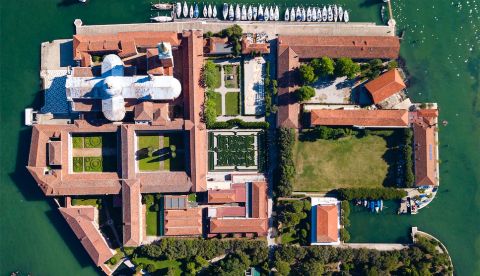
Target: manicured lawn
218,103
160,265
231,78
148,163
324,165
105,161
218,72
85,201
77,142
161,158
152,223
232,103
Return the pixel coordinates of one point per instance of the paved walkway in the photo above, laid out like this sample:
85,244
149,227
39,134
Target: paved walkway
376,246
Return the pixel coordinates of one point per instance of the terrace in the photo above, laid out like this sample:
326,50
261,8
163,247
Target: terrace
160,151
94,152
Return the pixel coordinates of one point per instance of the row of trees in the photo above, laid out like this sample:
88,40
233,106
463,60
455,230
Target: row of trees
293,216
370,193
375,67
271,89
327,67
419,259
286,167
408,156
344,220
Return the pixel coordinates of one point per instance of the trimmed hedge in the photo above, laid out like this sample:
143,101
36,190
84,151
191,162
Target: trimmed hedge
286,167
370,193
236,123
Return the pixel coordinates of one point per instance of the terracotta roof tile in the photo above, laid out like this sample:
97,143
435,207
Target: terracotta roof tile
327,223
55,152
233,225
132,213
259,199
288,107
187,222
425,148
385,85
359,117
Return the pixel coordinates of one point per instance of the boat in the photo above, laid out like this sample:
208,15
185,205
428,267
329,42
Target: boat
178,8
319,14
214,12
365,202
266,14
163,6
345,16
260,13
230,12
287,15
209,10
335,13
276,13
304,14
292,14
298,15
330,14
255,13
377,207
372,206
314,14
249,13
324,14
205,14
185,9
271,13
309,14
237,12
340,13
162,18
244,13
225,11
191,13
381,205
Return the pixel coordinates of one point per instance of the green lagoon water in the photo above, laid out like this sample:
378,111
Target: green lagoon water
442,51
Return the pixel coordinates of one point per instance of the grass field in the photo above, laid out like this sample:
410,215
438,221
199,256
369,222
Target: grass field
323,165
218,103
161,157
147,163
232,103
218,72
160,266
152,223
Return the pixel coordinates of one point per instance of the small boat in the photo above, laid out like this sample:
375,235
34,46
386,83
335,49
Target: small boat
319,14
287,15
335,13
340,13
260,13
276,13
266,14
237,12
225,11
372,206
314,14
345,16
304,14
272,14
178,8
162,18
298,16
324,14
191,13
365,202
209,10
205,13
185,9
292,14
214,12
309,14
249,13
330,14
163,6
381,205
231,13
255,13
244,13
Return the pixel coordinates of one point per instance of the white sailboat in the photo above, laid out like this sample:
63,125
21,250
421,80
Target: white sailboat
314,14
237,13
178,9
249,13
298,15
244,13
330,14
260,13
324,14
287,15
340,13
276,14
191,11
205,13
335,13
319,14
185,9
225,11
292,14
255,13
266,14
214,12
210,11
304,14
309,14
346,18
272,14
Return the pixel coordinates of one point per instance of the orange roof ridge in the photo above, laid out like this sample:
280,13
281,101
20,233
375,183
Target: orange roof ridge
385,85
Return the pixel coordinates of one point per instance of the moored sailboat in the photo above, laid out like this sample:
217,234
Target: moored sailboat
244,13
260,13
162,18
225,11
330,14
210,11
185,9
249,13
266,14
255,13
346,17
276,13
205,13
214,12
237,13
271,13
178,9
314,14
287,15
324,14
231,14
340,13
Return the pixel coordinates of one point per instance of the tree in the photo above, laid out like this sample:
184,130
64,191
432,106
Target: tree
323,67
307,74
311,268
392,64
209,112
150,268
346,67
282,267
305,93
210,75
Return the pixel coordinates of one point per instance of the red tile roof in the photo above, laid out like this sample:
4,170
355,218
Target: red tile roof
55,152
81,220
327,223
237,193
425,148
132,213
248,48
187,222
359,117
143,111
259,199
385,85
288,107
231,211
247,225
357,47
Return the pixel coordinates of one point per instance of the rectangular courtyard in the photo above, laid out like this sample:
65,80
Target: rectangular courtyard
160,151
94,152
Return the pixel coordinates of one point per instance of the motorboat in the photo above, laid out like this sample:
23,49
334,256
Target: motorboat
365,202
298,16
225,11
292,14
260,13
324,14
335,13
340,13
214,11
276,13
330,14
178,9
272,14
231,14
266,14
205,13
163,6
319,14
249,13
237,12
309,14
185,9
381,205
287,15
195,11
304,14
372,206
209,10
162,18
244,13
314,14
191,12
346,17
255,13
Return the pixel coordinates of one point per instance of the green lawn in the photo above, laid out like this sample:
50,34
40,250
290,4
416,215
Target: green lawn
106,162
152,223
218,77
160,265
232,103
218,103
148,163
161,158
85,201
324,165
231,75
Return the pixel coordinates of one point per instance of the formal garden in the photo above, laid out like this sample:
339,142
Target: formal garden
94,152
160,151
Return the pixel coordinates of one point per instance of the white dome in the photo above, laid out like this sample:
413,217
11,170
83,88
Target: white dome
114,108
112,65
112,86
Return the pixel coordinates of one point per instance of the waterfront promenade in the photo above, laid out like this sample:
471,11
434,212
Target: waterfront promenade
271,28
